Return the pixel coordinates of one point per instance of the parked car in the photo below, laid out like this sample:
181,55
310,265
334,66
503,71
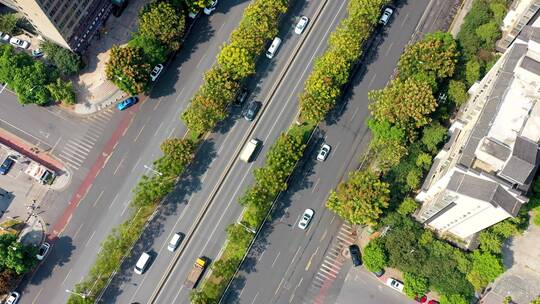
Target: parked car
420,299
13,297
385,17
193,15
6,165
301,25
43,250
128,102
395,284
4,37
156,71
251,110
323,153
306,218
433,302
242,96
355,255
210,8
37,53
19,43
379,273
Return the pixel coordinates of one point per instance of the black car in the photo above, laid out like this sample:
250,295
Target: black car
251,110
6,165
355,255
241,97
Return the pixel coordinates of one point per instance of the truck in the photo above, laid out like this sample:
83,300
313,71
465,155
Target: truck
196,272
249,149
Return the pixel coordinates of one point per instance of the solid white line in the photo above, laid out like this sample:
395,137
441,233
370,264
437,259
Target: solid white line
23,131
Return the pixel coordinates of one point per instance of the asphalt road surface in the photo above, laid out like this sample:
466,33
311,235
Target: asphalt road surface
209,180
289,265
129,141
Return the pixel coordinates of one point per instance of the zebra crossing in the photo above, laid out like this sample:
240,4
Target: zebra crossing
75,151
330,266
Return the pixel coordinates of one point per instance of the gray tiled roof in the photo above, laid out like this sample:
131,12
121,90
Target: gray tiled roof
523,162
526,149
517,170
530,65
495,148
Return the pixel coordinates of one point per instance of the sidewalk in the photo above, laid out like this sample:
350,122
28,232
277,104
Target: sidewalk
458,20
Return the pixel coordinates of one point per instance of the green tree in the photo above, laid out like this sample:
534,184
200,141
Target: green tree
536,301
195,5
489,33
406,104
414,285
163,22
478,15
453,299
387,144
435,55
374,257
498,8
472,71
361,199
407,207
457,92
15,256
236,61
225,268
67,62
423,161
62,91
180,150
30,83
154,50
8,23
486,267
128,69
200,296
433,135
490,242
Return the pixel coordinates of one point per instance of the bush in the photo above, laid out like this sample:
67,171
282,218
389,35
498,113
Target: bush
414,285
486,267
62,91
407,207
374,257
457,92
67,62
8,23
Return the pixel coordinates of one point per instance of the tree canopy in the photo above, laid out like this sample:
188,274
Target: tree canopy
163,22
128,69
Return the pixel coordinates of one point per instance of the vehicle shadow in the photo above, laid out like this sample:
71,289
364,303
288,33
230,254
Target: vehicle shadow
189,183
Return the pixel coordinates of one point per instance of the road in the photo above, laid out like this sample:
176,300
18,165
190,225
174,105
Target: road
289,265
80,217
217,153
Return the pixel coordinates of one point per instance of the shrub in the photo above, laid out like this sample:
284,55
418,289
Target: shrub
67,62
414,285
374,257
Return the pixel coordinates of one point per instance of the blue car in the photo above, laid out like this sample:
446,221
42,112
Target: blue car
127,103
6,165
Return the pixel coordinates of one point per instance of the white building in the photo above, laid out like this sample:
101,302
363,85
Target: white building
484,172
519,14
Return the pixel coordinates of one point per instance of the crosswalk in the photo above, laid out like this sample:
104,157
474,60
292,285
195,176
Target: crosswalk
75,150
330,266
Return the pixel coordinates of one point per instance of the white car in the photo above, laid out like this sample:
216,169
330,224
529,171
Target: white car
387,13
209,9
395,284
19,43
13,297
43,250
156,71
306,218
4,37
323,153
301,25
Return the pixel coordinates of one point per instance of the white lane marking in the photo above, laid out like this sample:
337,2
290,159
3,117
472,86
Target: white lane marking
136,165
140,131
389,49
87,242
255,298
261,256
55,144
67,275
97,200
327,272
275,259
77,232
371,81
126,205
37,295
23,131
316,183
77,147
159,128
201,60
119,165
354,115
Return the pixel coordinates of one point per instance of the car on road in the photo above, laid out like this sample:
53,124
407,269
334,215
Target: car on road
156,71
13,297
306,218
4,37
301,25
42,251
272,50
19,43
385,17
242,96
395,284
251,110
126,103
175,241
142,263
355,255
323,153
37,53
6,165
210,8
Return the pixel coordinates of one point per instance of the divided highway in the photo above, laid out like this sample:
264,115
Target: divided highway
217,177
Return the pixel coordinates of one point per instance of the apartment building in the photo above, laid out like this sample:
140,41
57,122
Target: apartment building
485,170
68,23
519,14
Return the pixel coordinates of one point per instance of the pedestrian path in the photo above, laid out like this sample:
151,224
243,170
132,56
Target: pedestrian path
74,151
330,267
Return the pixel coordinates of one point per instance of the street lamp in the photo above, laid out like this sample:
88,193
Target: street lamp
247,228
153,170
82,295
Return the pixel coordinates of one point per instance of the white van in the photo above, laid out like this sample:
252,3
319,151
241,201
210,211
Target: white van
249,149
273,48
140,267
174,242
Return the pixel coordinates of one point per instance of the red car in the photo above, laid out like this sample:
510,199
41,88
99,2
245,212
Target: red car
433,302
420,299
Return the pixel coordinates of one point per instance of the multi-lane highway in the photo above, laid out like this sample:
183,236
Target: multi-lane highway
126,142
289,265
219,181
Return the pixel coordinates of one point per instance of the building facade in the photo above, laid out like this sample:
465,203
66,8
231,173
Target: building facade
68,23
485,170
519,14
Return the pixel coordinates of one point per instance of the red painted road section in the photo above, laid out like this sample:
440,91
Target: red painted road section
60,225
